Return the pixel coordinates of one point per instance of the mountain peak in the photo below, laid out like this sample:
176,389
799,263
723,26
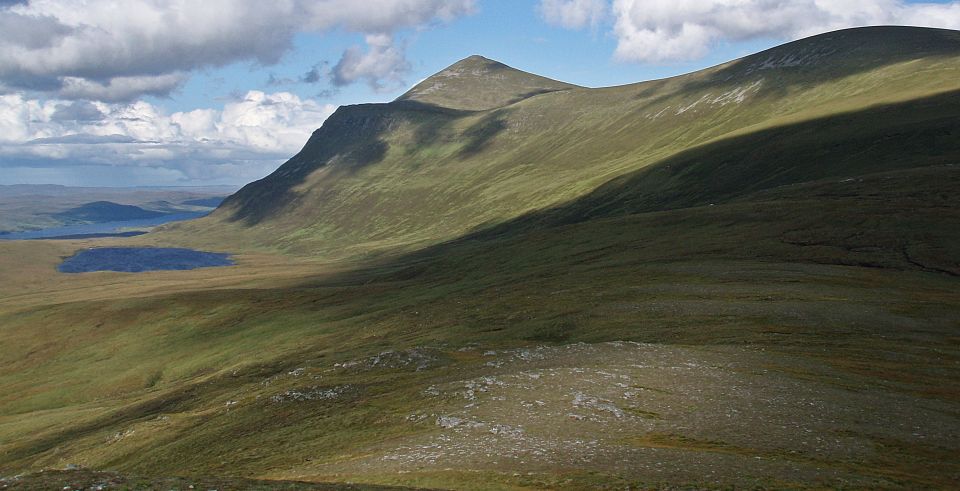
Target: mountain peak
476,83
475,59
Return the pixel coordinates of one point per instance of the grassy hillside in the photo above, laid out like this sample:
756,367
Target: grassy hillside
743,277
331,379
402,175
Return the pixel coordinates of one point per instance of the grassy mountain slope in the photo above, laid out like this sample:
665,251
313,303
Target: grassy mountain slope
406,174
785,256
207,382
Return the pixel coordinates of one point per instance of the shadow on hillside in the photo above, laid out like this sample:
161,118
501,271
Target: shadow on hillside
922,133
480,134
534,93
352,139
859,160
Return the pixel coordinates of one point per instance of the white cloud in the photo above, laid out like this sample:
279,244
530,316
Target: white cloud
73,72
245,140
573,14
380,16
667,30
279,122
119,89
105,50
382,65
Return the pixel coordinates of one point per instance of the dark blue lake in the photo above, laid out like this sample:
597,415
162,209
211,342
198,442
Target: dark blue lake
105,229
139,259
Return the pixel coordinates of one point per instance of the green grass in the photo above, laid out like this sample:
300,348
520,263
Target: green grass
611,282
84,479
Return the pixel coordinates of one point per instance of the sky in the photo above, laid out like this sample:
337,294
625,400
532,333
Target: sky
222,92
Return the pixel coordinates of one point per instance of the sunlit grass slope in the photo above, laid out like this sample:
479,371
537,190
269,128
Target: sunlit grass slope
420,171
780,234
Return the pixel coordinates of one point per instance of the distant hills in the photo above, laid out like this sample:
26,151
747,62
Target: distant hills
31,207
106,211
212,202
